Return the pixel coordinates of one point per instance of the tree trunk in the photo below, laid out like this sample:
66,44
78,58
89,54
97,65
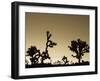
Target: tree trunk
42,61
79,60
32,61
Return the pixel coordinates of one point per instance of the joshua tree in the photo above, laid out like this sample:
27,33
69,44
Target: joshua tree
79,47
34,53
49,43
65,60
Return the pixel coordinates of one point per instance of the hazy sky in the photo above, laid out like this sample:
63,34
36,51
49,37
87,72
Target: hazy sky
64,29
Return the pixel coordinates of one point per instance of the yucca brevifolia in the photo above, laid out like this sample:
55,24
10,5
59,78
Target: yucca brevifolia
34,53
79,47
65,60
49,43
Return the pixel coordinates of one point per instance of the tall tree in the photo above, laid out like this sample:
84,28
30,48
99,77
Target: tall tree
49,44
79,47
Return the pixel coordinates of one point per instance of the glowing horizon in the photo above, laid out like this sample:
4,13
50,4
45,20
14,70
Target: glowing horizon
64,29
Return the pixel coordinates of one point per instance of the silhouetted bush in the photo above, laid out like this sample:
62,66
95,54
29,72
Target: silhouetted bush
65,60
79,47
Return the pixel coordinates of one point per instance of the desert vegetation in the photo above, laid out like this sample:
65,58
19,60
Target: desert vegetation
37,58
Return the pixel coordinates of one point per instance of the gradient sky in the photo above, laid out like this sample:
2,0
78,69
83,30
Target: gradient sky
63,27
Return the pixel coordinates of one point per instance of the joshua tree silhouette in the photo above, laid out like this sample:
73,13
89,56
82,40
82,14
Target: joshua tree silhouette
49,43
65,60
34,53
79,47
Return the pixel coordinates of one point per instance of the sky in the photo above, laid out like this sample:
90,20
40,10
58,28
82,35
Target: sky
63,27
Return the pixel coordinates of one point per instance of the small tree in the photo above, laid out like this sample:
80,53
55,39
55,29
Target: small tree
79,47
34,53
49,43
65,60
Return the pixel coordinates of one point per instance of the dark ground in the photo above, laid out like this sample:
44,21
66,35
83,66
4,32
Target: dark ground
58,65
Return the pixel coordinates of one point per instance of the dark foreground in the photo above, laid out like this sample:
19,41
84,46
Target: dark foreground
57,65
